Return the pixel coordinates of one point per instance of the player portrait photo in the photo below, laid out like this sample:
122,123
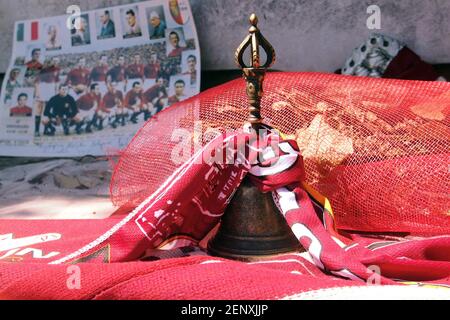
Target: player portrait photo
179,89
20,106
156,22
176,9
81,36
130,22
53,35
190,66
19,61
176,42
106,27
14,80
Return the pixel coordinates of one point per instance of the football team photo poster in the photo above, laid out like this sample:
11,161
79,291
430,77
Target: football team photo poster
83,86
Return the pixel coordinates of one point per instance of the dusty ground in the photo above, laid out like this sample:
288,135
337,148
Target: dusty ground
55,189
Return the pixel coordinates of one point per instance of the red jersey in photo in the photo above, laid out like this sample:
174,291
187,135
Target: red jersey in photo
79,76
173,100
50,74
34,65
132,98
88,101
99,73
154,92
117,74
177,52
111,100
152,70
135,71
19,111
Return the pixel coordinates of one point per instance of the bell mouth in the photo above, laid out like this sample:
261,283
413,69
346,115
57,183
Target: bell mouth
252,228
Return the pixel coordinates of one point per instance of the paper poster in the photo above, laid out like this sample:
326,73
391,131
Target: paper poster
84,84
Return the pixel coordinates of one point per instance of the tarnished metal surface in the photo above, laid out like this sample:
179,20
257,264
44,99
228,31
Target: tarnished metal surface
252,228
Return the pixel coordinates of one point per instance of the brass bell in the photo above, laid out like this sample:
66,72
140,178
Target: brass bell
252,227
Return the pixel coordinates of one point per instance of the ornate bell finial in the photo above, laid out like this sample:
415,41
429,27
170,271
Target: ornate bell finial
254,73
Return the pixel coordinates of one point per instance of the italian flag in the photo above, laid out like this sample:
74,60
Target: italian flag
27,31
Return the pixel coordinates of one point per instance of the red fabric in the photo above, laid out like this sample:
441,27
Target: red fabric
184,209
196,278
407,65
181,209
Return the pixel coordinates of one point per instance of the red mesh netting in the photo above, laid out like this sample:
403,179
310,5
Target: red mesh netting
378,149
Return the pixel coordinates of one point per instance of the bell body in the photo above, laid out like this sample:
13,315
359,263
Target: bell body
252,228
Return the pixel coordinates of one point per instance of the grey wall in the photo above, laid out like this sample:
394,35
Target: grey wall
308,35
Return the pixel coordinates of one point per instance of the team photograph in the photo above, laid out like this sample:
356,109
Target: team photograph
82,93
89,91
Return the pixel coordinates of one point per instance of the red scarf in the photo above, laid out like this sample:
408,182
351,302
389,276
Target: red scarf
186,207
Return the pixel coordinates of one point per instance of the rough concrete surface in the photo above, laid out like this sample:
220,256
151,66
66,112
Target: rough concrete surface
56,189
308,35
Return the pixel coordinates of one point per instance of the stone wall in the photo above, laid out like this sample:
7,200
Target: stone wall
308,35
